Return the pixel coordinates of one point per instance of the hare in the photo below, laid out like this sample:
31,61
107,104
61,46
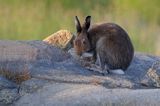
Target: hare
110,43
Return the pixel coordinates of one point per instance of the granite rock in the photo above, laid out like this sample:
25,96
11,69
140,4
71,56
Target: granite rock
56,78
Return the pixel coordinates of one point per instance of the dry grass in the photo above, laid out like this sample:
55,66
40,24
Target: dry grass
16,76
96,81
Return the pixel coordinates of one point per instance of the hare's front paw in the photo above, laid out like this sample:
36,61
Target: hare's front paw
97,68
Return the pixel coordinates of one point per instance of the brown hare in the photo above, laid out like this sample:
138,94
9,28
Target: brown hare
111,45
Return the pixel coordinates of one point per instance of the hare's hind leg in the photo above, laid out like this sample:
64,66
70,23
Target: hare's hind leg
101,62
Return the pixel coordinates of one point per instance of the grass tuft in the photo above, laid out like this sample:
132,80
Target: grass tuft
16,76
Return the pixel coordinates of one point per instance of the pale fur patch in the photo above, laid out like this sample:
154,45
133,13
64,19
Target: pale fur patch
117,71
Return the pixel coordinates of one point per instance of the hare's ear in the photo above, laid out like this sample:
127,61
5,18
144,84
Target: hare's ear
78,25
87,22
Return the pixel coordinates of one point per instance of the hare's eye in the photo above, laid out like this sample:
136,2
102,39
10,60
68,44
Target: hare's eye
84,42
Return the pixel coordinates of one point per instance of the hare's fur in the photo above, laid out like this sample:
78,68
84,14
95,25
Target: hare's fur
111,44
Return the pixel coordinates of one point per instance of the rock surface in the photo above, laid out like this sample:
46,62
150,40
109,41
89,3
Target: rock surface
58,79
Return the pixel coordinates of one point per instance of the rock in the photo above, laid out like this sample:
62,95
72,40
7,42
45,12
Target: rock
19,61
57,78
16,51
8,91
4,83
31,86
8,96
89,95
61,38
29,51
152,78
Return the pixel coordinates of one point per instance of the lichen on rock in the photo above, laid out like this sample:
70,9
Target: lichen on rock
61,38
